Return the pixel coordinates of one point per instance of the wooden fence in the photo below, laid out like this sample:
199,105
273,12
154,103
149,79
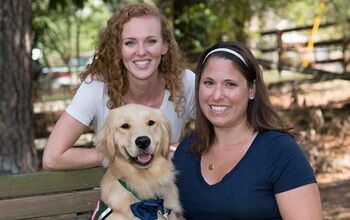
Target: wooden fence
330,51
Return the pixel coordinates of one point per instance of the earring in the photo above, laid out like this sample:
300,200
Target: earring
251,97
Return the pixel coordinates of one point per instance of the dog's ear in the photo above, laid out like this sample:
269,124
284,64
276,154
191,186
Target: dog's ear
165,137
105,143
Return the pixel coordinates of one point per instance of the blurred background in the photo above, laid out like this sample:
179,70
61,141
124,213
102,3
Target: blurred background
302,46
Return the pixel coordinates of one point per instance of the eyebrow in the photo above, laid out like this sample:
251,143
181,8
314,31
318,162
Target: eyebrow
133,38
225,80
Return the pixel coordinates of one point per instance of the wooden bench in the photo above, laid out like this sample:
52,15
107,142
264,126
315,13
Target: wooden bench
50,195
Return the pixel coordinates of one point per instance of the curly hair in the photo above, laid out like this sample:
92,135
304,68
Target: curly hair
107,65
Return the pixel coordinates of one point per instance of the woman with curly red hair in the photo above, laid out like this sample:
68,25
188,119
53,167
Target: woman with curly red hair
137,60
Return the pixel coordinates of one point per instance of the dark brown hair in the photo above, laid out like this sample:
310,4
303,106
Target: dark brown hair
108,67
260,113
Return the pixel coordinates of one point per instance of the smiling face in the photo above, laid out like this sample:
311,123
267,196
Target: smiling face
136,134
223,93
142,47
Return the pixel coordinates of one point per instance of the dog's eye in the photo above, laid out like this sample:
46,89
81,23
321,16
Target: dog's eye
125,126
151,122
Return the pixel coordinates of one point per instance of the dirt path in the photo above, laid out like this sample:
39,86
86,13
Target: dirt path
335,195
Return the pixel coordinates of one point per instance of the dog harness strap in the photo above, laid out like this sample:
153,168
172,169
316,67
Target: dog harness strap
105,213
102,211
123,183
144,209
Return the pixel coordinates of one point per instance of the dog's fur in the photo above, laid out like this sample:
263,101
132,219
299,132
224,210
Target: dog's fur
130,163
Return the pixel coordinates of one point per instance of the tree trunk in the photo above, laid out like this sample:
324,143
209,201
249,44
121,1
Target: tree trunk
17,150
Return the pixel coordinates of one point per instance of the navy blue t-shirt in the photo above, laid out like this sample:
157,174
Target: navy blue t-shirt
274,163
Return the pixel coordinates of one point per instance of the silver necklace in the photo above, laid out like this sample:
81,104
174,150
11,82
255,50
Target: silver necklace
211,166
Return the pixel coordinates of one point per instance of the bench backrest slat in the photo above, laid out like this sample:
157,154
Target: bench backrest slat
49,182
48,205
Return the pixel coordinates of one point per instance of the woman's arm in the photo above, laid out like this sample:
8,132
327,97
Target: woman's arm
59,153
300,203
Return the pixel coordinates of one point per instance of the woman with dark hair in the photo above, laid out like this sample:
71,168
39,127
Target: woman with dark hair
241,162
137,60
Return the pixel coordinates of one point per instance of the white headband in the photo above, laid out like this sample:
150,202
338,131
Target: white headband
228,51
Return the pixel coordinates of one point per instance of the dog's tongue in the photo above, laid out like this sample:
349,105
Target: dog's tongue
144,158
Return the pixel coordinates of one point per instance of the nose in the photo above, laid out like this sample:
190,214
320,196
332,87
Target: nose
142,142
218,93
141,50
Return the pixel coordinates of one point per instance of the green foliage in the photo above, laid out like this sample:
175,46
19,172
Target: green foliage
303,12
198,26
193,23
339,10
65,30
62,4
296,11
208,22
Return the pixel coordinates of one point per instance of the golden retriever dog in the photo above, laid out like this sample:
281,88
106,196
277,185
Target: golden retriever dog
135,145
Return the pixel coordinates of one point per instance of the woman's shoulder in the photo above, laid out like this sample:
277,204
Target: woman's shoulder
188,80
277,142
188,139
188,76
182,150
92,82
186,142
272,135
90,90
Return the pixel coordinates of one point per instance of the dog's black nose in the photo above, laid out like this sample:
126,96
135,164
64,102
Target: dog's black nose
142,142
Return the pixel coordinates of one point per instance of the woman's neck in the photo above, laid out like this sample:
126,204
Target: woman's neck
228,136
146,92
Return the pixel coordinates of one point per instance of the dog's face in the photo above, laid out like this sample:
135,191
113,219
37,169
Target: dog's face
135,133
